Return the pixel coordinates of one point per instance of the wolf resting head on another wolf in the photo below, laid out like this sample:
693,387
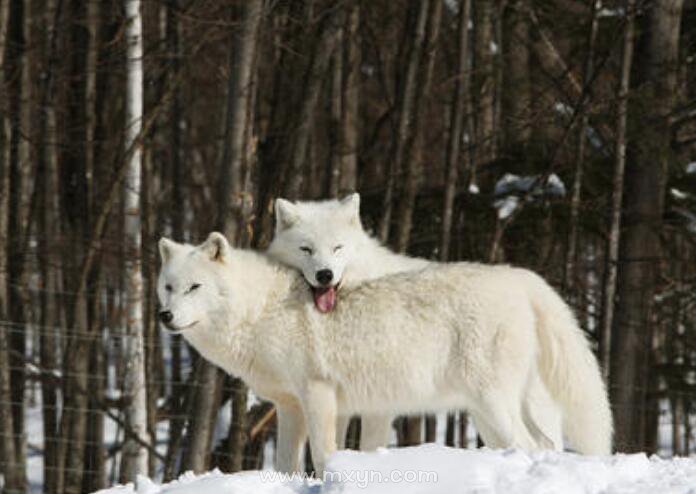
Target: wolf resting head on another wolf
325,240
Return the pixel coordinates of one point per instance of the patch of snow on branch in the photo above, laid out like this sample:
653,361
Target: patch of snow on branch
678,194
511,183
506,206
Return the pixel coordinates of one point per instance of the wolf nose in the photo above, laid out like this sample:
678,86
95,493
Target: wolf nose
166,316
324,276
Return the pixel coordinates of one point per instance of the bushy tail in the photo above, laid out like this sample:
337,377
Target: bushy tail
571,372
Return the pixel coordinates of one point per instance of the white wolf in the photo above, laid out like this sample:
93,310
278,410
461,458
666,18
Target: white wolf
325,240
452,336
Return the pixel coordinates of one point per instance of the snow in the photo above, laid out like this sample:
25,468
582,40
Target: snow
691,168
678,194
563,109
605,12
506,206
437,469
510,183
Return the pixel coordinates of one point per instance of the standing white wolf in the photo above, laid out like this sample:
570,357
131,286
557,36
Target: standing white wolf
452,336
325,240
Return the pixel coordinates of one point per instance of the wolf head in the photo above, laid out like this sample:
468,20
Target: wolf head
316,238
189,287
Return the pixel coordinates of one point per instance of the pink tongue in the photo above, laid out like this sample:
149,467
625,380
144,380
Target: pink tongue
325,299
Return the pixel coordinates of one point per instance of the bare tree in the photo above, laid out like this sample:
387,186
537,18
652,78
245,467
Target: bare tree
612,256
483,91
350,103
640,244
413,152
316,71
134,460
406,100
575,201
458,112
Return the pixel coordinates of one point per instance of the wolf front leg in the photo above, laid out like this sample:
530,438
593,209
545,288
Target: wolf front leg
292,433
319,407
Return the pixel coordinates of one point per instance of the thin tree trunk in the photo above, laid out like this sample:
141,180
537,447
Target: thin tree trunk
11,470
413,149
484,81
242,63
75,215
177,208
324,47
203,411
350,105
406,103
47,170
459,110
612,256
335,104
640,244
569,273
134,459
515,92
17,61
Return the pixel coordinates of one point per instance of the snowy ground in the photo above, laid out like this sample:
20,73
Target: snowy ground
437,469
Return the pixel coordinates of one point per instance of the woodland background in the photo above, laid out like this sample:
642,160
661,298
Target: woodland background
559,135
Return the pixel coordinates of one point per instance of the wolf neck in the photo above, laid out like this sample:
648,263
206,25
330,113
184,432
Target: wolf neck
373,260
253,285
256,283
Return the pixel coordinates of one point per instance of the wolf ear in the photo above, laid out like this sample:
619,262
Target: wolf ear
351,204
216,246
286,214
166,249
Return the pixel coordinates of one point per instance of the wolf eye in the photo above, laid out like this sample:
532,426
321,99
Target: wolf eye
168,288
193,287
338,247
306,250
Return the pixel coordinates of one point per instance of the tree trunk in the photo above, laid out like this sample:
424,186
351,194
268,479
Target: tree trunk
640,248
484,82
569,272
516,97
617,186
335,111
10,469
242,63
17,61
134,459
47,170
413,151
202,412
350,104
406,102
324,47
458,112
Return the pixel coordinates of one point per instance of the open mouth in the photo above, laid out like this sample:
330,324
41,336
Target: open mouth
325,297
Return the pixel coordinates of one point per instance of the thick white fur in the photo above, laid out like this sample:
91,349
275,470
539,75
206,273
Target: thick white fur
323,225
449,337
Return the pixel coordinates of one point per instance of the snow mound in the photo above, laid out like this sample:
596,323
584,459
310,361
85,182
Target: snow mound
437,469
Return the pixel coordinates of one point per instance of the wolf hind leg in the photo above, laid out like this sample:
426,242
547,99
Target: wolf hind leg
501,425
342,424
542,415
375,432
